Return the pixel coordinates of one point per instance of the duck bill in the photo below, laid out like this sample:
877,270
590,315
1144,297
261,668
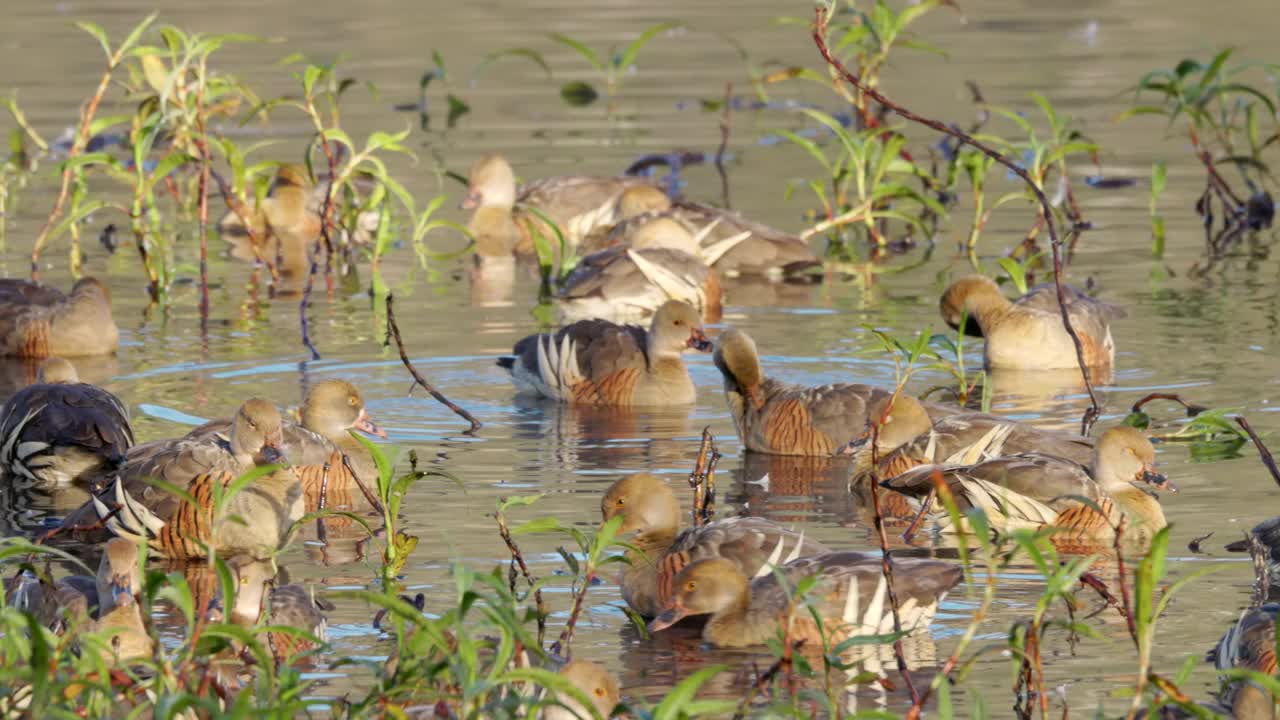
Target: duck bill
471,201
1157,480
698,341
667,618
365,425
857,445
271,453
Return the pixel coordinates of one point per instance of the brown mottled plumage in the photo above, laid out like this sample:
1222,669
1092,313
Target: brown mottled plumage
1036,490
596,362
650,510
253,521
1250,644
850,596
39,321
729,243
576,204
62,431
775,417
322,444
1029,334
628,283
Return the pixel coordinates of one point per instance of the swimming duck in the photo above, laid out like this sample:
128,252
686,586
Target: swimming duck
1036,490
576,204
850,596
38,321
322,444
596,683
61,431
630,282
909,438
775,417
254,521
728,242
658,549
1250,644
596,362
1028,334
78,597
1263,543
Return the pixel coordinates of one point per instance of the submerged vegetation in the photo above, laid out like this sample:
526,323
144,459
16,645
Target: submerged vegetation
150,159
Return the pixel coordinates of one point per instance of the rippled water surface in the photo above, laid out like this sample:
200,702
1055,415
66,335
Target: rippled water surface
1210,337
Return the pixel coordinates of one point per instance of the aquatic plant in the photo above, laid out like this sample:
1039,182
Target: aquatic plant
611,66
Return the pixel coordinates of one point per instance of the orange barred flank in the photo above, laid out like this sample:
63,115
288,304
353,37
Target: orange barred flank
896,464
788,429
1082,530
711,290
286,646
670,566
1095,353
35,343
186,534
616,389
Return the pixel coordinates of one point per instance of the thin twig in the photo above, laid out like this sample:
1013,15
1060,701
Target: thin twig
255,243
1125,604
1263,452
1192,408
312,259
762,681
819,37
886,560
726,126
202,144
518,559
393,332
919,518
562,646
702,481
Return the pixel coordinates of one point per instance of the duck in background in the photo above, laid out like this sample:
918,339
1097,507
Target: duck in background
577,204
1028,333
37,321
596,362
629,282
731,244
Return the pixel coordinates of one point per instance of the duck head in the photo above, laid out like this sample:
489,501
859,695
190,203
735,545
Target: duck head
739,363
333,407
90,289
492,183
593,681
902,419
258,432
119,575
702,588
56,370
676,327
641,199
1123,455
645,502
966,297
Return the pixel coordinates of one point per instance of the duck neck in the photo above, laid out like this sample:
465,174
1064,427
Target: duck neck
733,625
640,575
495,231
987,307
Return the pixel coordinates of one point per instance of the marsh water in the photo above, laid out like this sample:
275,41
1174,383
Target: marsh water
1210,337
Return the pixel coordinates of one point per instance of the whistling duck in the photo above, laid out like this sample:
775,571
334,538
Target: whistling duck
849,595
629,283
1029,334
576,204
782,419
1250,644
593,681
658,549
60,430
728,242
39,321
254,520
1036,490
322,445
596,362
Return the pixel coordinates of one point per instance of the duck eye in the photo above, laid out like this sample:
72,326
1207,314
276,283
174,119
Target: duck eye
599,692
252,425
690,586
619,502
351,400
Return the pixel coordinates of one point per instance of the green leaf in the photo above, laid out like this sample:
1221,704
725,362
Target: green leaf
135,34
578,93
98,33
587,53
1159,176
675,705
532,55
538,525
628,57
